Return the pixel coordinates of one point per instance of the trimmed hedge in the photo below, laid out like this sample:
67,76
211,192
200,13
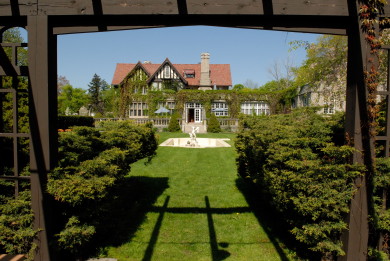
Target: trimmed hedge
90,172
305,176
67,122
92,165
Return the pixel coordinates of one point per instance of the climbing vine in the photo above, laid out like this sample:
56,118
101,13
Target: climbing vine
232,98
133,84
368,13
371,25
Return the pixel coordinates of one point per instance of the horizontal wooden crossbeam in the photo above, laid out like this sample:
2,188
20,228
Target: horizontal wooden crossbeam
313,24
320,16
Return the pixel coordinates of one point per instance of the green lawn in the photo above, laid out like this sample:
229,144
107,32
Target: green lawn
199,212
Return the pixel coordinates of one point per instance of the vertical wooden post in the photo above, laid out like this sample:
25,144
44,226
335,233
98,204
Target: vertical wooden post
355,240
358,130
42,61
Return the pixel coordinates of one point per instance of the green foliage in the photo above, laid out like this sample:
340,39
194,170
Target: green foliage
110,98
16,217
130,88
325,68
70,100
376,255
174,125
16,224
173,85
75,235
95,89
93,162
306,177
381,217
238,87
66,122
326,60
13,35
213,125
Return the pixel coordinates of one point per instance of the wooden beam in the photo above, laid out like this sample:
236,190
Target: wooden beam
312,24
42,61
91,29
18,8
175,7
356,238
137,7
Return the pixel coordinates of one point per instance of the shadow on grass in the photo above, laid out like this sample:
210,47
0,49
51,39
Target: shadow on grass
156,230
217,254
270,221
125,212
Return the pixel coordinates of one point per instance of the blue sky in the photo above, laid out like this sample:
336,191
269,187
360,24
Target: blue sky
249,52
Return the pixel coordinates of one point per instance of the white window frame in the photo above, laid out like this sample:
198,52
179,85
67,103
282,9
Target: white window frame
255,107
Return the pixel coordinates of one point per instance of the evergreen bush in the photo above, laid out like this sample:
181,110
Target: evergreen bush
174,125
91,167
305,176
213,124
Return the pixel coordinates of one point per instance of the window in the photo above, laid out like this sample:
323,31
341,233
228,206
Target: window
167,72
255,107
189,73
305,100
138,109
329,109
190,105
220,109
170,105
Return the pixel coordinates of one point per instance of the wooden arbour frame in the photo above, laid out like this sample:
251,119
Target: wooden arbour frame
45,19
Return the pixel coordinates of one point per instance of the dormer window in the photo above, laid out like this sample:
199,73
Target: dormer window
189,73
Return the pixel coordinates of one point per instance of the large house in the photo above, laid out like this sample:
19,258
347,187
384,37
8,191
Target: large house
202,76
192,90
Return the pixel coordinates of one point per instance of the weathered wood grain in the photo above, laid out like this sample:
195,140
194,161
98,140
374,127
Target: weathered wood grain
311,7
140,7
225,7
120,7
91,29
20,8
63,7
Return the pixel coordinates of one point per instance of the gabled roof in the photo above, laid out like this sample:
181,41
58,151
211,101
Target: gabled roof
220,74
123,69
173,68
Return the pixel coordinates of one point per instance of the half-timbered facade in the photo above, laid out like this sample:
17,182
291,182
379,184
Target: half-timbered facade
202,76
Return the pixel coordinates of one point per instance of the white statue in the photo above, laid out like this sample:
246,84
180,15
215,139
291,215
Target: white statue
193,136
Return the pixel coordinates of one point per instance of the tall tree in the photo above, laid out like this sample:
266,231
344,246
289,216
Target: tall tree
71,99
110,98
96,87
13,35
325,67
